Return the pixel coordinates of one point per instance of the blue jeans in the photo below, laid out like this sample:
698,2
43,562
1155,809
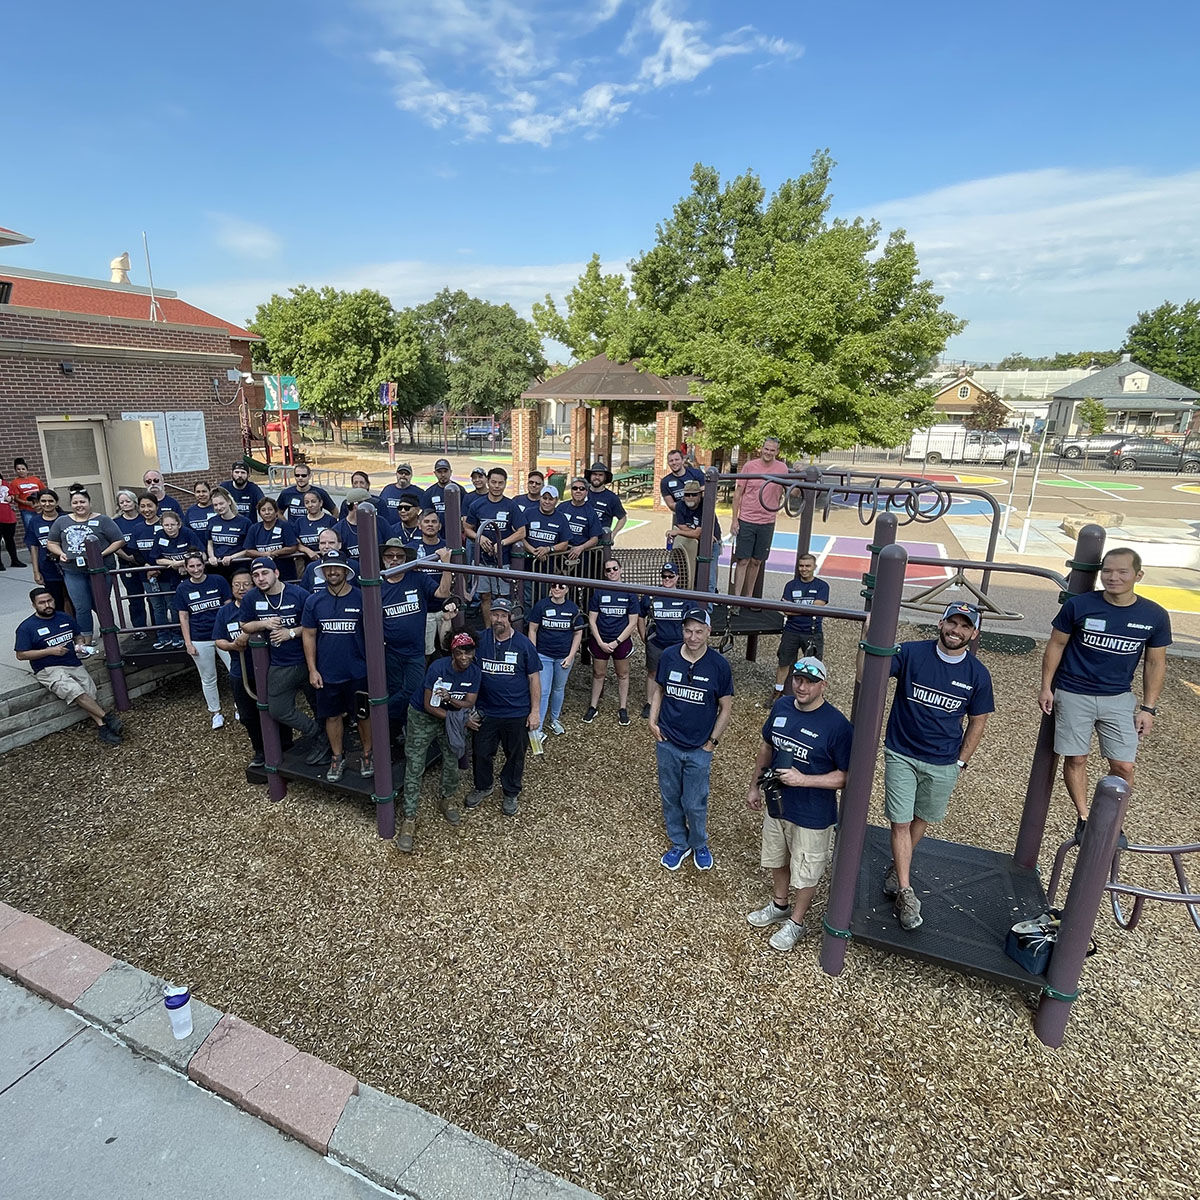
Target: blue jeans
404,676
79,588
683,784
554,686
159,608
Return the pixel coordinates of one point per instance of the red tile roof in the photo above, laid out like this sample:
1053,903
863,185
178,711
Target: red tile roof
113,302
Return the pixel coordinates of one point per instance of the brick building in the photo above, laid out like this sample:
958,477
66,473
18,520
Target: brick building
99,380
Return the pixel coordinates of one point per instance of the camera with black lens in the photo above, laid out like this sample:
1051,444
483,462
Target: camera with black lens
772,792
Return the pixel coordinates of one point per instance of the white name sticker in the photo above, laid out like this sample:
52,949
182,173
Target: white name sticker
1095,624
675,676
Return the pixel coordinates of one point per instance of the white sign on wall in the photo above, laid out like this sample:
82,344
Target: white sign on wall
181,436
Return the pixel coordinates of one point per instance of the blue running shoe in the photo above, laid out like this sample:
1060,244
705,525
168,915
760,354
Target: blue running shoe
676,857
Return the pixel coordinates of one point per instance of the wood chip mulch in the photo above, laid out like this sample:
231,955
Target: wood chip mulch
543,982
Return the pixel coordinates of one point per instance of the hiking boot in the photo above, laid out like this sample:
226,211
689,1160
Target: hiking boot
557,728
337,765
908,909
787,935
450,811
675,857
770,914
404,839
366,768
622,716
113,722
891,883
509,806
590,715
645,712
107,736
703,859
476,798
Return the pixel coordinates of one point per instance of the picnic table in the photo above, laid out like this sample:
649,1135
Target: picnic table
633,483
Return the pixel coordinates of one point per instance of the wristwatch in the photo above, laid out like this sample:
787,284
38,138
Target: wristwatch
962,766
1146,708
715,742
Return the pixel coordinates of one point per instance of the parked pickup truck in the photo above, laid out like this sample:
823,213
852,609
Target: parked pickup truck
956,443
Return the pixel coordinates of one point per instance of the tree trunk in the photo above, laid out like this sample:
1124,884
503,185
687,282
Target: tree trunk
624,464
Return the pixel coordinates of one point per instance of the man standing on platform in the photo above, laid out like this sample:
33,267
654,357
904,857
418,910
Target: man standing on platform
925,748
691,708
510,696
1088,668
434,496
495,525
802,634
755,506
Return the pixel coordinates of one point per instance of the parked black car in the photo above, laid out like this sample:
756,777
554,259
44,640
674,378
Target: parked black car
1083,446
1153,454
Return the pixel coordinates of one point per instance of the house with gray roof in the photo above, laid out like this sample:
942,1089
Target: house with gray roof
1138,399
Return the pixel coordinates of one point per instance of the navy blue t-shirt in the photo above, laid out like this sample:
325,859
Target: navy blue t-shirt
426,549
197,519
37,532
462,683
796,592
556,624
816,743
409,535
582,521
291,502
1107,641
434,497
670,486
313,579
175,548
246,498
613,608
338,621
202,601
34,633
282,533
348,533
141,540
607,506
308,532
504,690
497,519
405,603
227,627
288,606
690,693
390,497
667,613
932,698
227,537
693,518
546,531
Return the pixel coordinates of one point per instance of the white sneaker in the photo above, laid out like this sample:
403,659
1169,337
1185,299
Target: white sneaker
768,915
787,935
218,721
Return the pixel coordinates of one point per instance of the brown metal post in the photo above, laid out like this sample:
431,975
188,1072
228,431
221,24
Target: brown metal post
272,744
101,585
877,644
1084,897
369,580
453,534
885,535
705,567
1089,547
811,474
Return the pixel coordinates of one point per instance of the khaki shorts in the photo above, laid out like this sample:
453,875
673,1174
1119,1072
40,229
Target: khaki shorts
67,683
808,851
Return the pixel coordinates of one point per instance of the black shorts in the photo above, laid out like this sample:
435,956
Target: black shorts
794,646
339,699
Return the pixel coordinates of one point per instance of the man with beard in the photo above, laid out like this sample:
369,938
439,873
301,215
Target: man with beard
926,749
243,491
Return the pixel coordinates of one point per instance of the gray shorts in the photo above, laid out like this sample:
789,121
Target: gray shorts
491,585
912,788
753,541
1076,715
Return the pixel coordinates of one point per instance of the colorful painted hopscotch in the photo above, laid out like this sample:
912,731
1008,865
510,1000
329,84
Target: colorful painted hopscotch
841,557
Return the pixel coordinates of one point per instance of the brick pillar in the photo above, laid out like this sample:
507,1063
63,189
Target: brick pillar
668,436
581,439
602,424
524,444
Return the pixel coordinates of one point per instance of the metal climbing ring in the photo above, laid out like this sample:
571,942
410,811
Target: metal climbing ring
872,492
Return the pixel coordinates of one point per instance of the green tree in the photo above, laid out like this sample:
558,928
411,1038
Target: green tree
798,326
332,341
597,308
1167,340
486,354
409,363
1093,416
1065,361
990,413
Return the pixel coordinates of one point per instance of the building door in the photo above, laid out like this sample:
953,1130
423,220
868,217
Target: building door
74,452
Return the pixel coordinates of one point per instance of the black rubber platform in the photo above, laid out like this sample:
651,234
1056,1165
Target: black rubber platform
970,899
294,767
744,621
137,654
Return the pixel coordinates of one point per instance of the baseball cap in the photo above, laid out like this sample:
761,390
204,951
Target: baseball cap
698,614
499,604
669,568
357,496
403,467
263,561
442,464
477,471
962,609
459,640
550,490
810,668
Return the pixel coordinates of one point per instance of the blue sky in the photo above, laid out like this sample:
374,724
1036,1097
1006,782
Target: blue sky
1044,158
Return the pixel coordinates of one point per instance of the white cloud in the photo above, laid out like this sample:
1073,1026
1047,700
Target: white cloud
519,66
1054,259
244,238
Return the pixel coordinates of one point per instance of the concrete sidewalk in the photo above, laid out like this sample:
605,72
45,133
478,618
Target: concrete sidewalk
97,1099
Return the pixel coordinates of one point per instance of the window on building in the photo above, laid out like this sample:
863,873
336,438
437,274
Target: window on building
964,392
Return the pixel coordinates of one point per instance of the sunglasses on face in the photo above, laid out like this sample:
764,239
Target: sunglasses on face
611,570
578,487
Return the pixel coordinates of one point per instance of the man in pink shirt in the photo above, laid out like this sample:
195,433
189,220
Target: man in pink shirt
755,505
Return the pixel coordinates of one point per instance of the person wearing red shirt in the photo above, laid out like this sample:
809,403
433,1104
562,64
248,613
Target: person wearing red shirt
25,487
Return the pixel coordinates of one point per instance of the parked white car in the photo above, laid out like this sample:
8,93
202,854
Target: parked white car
956,443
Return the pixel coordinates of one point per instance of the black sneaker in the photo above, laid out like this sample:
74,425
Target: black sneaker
509,806
107,736
113,722
258,761
590,715
645,712
319,752
622,716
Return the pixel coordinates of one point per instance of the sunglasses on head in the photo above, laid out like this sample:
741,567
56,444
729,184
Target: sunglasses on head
804,671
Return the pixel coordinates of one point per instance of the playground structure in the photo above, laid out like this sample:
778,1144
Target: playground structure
971,896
